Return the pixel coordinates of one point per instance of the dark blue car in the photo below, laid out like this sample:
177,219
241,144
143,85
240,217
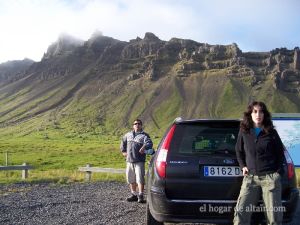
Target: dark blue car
194,176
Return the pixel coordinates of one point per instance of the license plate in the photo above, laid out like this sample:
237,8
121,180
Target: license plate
222,171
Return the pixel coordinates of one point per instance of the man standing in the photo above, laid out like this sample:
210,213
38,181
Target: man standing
133,147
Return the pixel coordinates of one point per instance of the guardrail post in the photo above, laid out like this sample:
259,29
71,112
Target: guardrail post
88,174
6,158
24,172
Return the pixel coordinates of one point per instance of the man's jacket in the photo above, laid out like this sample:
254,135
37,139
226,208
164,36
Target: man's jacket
132,142
262,154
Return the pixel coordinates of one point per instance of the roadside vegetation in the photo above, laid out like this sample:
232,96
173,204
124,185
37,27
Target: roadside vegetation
298,177
56,158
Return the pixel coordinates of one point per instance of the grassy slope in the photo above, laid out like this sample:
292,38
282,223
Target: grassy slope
87,129
233,99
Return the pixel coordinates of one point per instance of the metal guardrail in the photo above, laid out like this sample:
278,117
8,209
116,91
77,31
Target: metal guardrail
24,167
88,169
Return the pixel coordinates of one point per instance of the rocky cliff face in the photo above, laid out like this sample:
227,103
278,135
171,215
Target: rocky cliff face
281,65
140,48
149,78
69,55
13,70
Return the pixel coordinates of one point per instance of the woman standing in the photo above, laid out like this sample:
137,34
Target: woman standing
260,154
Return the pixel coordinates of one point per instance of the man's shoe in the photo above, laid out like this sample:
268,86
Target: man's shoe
132,198
141,199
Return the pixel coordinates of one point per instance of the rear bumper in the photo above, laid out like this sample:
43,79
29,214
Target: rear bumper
206,211
189,211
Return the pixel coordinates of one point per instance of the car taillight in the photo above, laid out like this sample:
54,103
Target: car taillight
161,161
290,165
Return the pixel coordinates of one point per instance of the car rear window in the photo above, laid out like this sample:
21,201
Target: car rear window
205,138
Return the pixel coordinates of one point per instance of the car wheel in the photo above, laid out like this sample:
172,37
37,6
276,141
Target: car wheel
150,219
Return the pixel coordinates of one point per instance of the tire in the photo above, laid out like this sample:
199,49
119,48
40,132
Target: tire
149,218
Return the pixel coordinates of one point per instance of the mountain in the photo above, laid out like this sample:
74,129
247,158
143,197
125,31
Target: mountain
101,85
13,70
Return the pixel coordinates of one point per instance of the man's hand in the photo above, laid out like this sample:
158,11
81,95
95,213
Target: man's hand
142,150
245,171
124,154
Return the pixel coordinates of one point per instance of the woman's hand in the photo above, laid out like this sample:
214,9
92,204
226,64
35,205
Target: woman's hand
245,171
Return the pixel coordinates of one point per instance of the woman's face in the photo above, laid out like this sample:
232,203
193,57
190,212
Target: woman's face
257,116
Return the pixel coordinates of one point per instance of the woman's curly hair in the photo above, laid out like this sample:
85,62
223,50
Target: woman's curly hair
247,122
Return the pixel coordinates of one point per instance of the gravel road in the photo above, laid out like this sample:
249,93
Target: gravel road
77,203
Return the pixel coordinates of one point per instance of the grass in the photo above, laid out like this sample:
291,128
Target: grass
54,154
298,177
232,101
56,158
168,110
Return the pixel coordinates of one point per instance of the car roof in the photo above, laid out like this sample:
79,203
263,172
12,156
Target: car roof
179,120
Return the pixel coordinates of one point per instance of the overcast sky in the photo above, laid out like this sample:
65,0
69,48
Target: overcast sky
28,27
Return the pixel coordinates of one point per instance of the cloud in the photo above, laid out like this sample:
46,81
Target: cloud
28,27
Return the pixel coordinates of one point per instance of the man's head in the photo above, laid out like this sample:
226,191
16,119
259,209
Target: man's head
137,125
